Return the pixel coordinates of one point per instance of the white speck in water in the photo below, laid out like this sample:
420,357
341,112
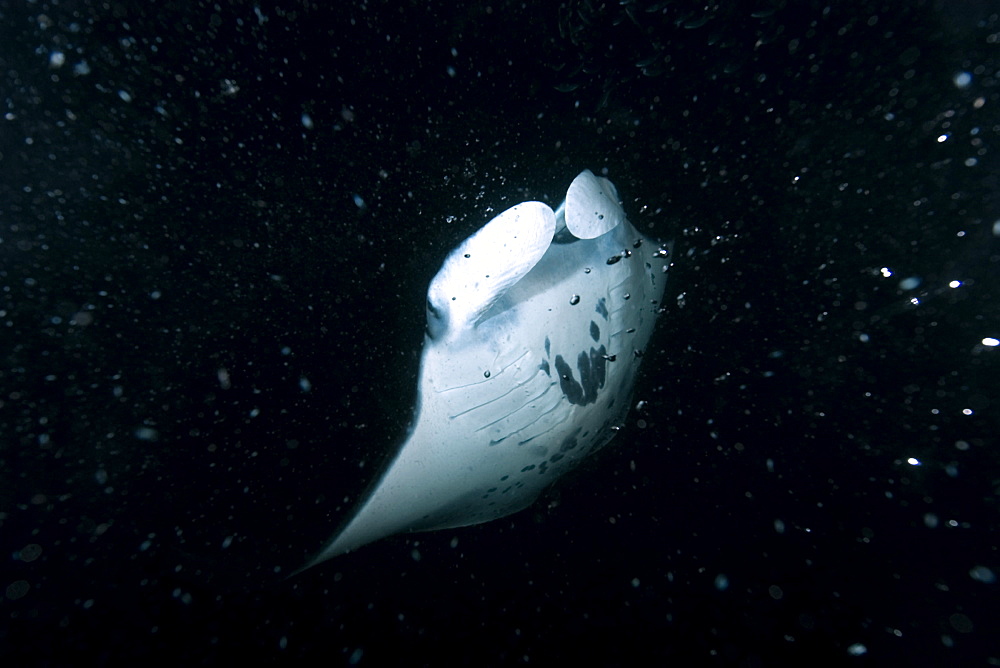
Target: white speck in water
990,342
721,582
29,552
57,59
17,589
857,649
307,122
146,434
962,80
305,384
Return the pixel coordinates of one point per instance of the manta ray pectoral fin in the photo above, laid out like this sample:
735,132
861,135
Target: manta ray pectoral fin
592,208
477,273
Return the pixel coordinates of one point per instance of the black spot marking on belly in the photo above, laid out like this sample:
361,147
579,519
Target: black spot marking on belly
592,368
544,366
595,331
602,308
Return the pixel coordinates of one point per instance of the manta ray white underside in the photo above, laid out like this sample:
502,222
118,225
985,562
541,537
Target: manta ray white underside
535,329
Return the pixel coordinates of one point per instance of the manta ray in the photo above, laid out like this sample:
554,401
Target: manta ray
536,325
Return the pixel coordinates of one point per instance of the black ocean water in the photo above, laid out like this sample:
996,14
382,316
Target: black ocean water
218,222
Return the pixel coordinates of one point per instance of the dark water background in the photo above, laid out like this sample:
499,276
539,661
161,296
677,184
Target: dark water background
217,225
